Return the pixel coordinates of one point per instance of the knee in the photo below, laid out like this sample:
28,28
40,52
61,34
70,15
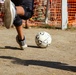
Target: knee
28,15
17,21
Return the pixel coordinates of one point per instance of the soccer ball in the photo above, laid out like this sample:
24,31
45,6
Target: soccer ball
43,39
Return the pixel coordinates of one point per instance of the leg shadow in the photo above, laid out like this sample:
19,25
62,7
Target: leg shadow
50,64
33,46
9,47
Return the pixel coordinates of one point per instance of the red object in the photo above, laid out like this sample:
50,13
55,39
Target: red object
1,15
50,0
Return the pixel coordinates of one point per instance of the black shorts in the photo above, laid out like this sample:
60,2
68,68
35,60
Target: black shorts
28,8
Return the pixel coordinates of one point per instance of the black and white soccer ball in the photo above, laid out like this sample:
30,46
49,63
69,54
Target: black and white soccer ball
43,39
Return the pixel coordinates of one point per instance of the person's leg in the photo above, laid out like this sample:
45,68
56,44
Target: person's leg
20,32
18,24
20,38
17,21
20,11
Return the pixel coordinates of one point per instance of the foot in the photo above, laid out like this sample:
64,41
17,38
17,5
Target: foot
9,15
22,43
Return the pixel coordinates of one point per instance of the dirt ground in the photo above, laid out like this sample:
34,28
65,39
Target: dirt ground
57,59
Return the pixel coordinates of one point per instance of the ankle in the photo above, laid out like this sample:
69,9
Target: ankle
21,38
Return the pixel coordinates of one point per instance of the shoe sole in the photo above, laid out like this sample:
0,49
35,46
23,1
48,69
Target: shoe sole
23,47
8,14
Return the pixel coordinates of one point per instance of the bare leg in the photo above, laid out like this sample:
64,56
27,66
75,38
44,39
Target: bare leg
20,11
20,32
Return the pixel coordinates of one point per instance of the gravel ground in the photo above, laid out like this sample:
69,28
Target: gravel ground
57,59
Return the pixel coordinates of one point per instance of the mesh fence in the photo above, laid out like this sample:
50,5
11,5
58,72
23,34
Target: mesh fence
72,13
1,12
55,12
